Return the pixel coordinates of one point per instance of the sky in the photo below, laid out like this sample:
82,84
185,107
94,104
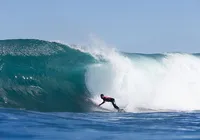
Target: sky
137,26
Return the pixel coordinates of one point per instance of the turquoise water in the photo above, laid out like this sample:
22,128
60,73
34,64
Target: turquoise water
35,74
49,90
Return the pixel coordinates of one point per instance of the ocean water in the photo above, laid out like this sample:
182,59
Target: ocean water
22,125
50,90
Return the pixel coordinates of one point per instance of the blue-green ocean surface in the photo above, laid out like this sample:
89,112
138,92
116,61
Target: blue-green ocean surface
23,125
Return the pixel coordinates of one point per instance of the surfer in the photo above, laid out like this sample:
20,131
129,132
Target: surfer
109,99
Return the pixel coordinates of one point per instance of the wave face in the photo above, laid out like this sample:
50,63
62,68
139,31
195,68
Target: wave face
49,76
41,75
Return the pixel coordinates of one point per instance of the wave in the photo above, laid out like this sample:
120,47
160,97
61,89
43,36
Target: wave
42,75
49,76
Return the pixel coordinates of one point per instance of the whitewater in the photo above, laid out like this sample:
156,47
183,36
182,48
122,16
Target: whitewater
159,82
156,81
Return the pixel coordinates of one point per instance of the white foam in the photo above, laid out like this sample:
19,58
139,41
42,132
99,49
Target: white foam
172,83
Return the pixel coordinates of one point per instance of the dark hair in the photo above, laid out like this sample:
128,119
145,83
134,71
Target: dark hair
102,95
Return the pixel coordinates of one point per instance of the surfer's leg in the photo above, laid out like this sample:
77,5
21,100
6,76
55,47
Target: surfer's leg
114,105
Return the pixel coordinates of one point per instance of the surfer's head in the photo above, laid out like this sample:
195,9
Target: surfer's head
101,95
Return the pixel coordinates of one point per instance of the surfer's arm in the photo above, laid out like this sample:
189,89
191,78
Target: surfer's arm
102,103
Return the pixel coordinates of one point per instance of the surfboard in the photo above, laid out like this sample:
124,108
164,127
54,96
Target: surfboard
113,110
100,108
121,110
